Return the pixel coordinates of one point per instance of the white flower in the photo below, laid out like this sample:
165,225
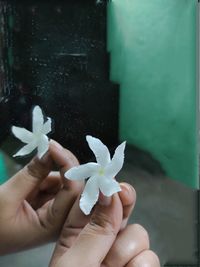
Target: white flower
100,174
36,139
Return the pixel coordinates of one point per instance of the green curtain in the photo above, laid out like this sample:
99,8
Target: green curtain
153,58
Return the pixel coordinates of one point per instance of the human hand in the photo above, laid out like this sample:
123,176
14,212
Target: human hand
35,202
106,240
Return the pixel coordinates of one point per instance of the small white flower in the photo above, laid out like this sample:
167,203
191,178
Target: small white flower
36,139
100,174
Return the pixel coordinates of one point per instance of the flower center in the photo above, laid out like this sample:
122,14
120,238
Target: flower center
101,171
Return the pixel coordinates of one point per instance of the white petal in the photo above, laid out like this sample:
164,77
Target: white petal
47,126
90,195
27,149
82,172
117,161
109,186
38,119
22,134
43,146
100,151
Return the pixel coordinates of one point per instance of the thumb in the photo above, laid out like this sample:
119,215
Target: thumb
96,238
28,178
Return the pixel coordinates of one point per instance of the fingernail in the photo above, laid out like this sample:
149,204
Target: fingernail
104,201
56,144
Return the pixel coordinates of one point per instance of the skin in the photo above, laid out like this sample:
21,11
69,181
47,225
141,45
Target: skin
106,240
35,202
39,205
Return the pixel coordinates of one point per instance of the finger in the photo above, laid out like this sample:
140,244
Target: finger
129,243
128,199
76,219
52,184
52,181
28,178
59,208
45,191
96,238
71,189
65,160
146,258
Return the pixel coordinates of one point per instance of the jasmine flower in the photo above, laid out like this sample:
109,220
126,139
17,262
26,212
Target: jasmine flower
35,139
101,173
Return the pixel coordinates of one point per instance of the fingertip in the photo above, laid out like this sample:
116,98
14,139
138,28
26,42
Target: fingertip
39,167
65,160
127,194
62,156
53,145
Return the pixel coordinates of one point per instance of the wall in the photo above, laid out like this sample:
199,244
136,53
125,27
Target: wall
153,57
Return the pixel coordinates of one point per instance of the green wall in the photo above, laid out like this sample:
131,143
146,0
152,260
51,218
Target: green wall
3,173
153,57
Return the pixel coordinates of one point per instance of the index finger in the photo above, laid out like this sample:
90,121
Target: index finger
65,160
66,197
